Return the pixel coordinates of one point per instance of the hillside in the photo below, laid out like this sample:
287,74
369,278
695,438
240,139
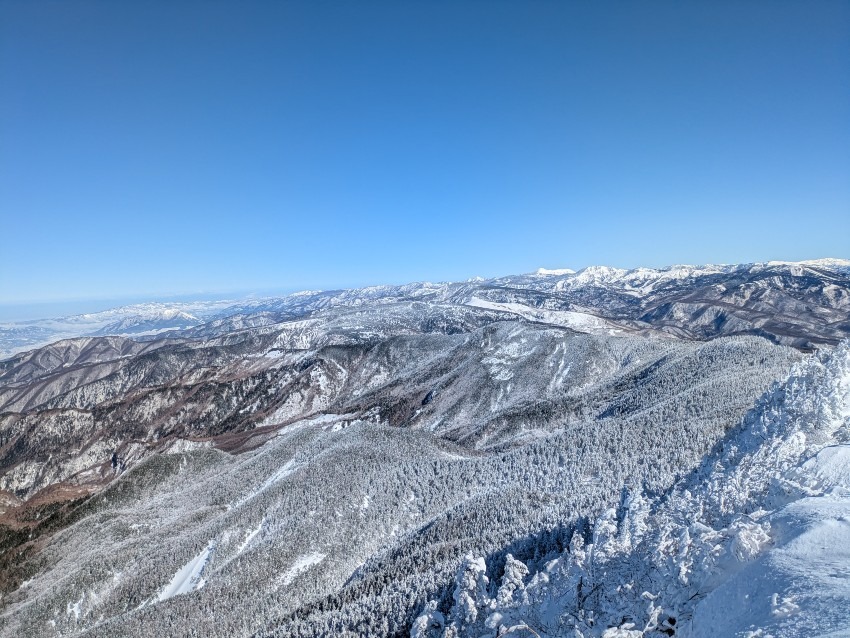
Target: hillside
557,453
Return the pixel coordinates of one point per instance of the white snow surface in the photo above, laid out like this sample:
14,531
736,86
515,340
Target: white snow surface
288,468
578,321
797,587
189,577
301,565
756,542
250,535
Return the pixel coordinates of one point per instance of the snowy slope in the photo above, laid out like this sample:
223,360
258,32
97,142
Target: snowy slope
578,321
189,577
754,543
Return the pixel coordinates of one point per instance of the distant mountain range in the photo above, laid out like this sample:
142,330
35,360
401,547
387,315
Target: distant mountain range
800,303
607,453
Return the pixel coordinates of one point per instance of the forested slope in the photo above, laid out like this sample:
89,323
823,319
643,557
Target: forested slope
559,453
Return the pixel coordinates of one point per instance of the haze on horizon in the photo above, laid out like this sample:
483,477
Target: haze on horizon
157,150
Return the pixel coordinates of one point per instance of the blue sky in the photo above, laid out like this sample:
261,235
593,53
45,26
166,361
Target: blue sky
170,148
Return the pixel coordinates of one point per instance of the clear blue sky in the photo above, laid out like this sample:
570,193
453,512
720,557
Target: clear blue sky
153,148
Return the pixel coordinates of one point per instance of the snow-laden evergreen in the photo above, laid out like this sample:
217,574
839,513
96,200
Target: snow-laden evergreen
754,542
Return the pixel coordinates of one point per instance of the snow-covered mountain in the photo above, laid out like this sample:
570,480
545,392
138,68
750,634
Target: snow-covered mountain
592,453
138,319
798,303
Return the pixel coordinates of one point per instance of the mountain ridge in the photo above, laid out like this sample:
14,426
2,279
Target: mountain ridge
710,293
400,459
